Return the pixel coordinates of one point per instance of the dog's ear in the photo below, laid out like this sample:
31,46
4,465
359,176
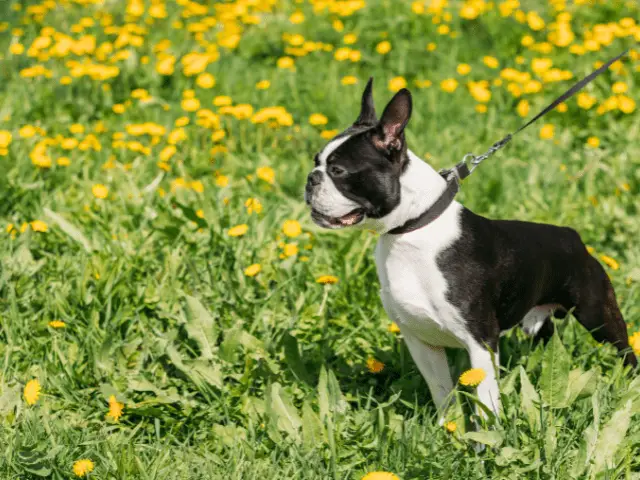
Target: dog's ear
367,110
396,115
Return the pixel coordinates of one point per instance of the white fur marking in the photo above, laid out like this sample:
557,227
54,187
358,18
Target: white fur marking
488,391
330,148
535,318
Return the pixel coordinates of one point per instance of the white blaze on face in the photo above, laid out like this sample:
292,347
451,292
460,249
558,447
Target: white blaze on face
327,199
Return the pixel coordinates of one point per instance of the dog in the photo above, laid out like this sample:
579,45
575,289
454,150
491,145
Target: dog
461,279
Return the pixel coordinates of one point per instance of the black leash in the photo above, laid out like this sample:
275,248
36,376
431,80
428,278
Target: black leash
462,170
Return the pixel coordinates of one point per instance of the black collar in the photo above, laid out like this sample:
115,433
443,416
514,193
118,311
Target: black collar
452,176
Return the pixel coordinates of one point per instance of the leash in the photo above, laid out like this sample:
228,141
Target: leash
470,162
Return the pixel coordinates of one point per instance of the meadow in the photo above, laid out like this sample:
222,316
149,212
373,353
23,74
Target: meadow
169,311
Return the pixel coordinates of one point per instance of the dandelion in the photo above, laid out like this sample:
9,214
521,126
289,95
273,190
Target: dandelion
27,131
222,101
205,80
593,142
290,249
374,366
291,228
267,174
350,38
450,427
472,377
626,104
100,191
5,138
463,69
115,409
253,205
32,391
238,230
491,62
634,341
252,270
286,63
83,467
263,84
349,80
327,279
397,83
57,324
318,119
39,226
296,17
383,47
619,87
393,328
610,262
222,181
380,476
523,108
431,46
449,85
328,134
586,101
547,131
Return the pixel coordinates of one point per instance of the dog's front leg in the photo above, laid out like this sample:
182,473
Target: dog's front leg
434,367
488,390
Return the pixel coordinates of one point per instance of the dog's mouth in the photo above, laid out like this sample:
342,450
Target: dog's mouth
352,218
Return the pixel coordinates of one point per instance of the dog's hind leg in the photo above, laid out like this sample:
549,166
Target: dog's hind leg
597,310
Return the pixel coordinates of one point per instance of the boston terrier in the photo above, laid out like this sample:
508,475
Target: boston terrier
454,279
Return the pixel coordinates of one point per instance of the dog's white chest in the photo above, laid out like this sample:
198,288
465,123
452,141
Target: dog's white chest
413,288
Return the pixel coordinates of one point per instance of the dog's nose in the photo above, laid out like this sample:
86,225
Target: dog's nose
314,178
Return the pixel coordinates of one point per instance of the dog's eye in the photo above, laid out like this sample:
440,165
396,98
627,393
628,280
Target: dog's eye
337,171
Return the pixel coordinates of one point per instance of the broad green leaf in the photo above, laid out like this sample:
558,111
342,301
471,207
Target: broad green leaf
508,383
282,412
209,371
550,436
491,438
200,327
610,439
293,358
555,370
530,401
313,433
336,399
580,384
69,229
323,394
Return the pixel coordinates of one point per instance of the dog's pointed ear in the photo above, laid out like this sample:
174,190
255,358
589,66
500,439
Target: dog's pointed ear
367,110
394,119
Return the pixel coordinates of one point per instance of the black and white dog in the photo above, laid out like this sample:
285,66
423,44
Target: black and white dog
461,279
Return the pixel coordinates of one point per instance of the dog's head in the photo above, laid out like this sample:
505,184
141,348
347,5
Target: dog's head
357,174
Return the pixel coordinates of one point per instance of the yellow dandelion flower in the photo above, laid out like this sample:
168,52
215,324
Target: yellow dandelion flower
222,101
206,80
266,174
350,38
634,341
374,366
39,226
547,131
115,409
100,191
593,142
393,328
318,119
286,63
450,427
296,17
449,85
222,181
27,131
5,138
290,249
491,62
431,46
383,47
328,134
291,228
481,108
253,205
238,230
263,84
349,80
397,83
619,87
523,108
626,104
380,476
252,270
83,467
327,279
463,69
32,391
57,324
472,377
610,262
118,108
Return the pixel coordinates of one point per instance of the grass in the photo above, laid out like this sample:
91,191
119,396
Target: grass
224,375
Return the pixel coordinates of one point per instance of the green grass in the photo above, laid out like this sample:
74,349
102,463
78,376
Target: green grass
228,376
